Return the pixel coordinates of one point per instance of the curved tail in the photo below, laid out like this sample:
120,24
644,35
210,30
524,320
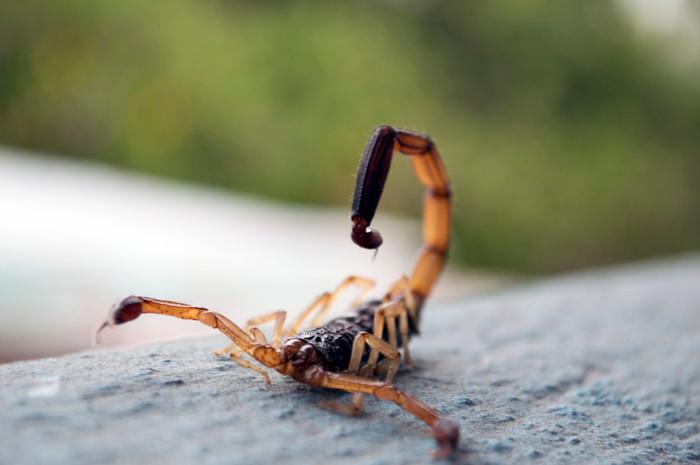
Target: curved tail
430,171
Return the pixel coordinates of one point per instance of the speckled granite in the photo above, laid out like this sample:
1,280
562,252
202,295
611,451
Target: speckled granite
596,367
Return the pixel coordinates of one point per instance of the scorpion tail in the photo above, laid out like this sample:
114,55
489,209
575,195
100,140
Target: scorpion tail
430,171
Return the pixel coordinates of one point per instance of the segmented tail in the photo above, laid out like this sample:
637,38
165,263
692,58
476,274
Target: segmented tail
430,171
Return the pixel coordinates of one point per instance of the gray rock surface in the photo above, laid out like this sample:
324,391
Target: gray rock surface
596,367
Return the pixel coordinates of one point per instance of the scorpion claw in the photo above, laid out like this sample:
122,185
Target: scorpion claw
446,434
124,310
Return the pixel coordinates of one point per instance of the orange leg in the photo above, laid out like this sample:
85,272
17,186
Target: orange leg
376,345
278,316
401,291
322,304
234,352
358,350
385,316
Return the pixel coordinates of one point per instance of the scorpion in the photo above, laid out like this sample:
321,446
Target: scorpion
348,353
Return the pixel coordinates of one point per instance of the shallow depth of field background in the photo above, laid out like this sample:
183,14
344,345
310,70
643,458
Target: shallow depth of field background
571,130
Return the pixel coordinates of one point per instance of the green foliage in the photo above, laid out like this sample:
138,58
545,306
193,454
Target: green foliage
569,140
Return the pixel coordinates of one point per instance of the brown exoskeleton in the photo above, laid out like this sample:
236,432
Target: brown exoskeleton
344,353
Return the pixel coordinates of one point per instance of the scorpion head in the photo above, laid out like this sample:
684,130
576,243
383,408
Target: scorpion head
304,363
300,354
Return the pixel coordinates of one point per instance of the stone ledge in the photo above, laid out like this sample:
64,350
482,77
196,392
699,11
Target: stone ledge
595,367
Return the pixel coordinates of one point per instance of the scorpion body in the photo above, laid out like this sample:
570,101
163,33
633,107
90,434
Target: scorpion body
334,340
349,352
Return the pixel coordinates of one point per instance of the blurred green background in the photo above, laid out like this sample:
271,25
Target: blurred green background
572,138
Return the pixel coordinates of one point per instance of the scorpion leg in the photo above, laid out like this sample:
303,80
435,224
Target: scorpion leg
365,285
377,346
323,303
384,316
401,291
258,335
235,354
279,317
444,430
404,329
232,348
132,307
380,346
320,301
358,350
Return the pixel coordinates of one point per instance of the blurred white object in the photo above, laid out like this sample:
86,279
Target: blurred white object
76,237
45,388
